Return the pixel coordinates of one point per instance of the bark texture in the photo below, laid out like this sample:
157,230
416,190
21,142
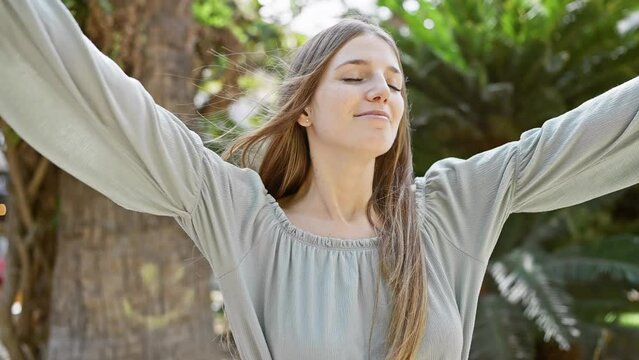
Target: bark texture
129,285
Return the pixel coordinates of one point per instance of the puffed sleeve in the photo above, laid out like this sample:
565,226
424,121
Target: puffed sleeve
76,107
582,154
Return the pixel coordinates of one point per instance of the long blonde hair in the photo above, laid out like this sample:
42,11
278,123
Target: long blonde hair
285,162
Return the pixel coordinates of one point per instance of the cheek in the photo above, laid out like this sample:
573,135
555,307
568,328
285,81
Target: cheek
398,107
335,108
336,98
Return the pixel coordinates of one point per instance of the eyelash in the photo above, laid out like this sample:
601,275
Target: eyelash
353,79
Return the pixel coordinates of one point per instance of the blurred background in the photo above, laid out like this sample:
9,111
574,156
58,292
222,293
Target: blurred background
81,278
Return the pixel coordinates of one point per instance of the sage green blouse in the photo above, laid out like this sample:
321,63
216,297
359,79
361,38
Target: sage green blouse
291,294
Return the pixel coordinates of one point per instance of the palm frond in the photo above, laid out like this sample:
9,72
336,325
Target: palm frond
521,280
614,256
501,331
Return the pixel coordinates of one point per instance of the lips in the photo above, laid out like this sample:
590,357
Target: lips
374,113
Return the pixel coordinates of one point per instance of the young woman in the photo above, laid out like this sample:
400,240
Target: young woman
301,246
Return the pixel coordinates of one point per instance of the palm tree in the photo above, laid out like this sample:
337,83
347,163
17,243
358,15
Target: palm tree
121,287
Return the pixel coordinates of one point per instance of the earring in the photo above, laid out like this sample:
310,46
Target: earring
308,121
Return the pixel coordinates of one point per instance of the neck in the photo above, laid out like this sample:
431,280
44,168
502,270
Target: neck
337,189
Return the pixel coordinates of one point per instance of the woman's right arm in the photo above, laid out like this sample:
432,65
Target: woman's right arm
76,107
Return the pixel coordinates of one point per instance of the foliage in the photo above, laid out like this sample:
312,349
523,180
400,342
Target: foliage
252,54
489,70
502,332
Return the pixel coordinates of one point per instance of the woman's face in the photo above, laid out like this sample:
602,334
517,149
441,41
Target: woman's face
363,76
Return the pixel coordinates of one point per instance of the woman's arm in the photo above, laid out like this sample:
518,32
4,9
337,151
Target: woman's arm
75,106
585,153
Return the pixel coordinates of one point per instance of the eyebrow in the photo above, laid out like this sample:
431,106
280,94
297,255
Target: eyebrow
364,62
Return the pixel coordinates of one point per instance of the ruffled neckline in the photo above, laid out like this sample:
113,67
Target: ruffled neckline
318,240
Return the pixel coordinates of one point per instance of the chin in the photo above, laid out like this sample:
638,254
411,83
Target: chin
381,150
373,146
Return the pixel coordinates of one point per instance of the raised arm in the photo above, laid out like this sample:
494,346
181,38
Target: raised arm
588,152
75,106
585,153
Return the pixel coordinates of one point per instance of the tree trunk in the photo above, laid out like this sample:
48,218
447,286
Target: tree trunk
130,285
31,229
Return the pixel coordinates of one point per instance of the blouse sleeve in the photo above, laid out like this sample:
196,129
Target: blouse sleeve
585,153
75,106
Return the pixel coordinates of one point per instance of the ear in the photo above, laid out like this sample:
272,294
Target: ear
303,119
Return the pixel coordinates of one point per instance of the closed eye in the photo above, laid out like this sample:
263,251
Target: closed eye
354,79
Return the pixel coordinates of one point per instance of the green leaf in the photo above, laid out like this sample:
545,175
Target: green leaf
520,279
215,13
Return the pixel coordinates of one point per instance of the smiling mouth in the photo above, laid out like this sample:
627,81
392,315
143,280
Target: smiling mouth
373,116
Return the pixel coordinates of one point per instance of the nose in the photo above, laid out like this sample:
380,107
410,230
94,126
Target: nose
379,90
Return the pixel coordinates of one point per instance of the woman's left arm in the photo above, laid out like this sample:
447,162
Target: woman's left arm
582,154
585,153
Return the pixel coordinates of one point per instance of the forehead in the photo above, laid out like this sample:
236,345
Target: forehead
367,47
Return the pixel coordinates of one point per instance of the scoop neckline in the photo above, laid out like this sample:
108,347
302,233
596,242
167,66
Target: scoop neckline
319,240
